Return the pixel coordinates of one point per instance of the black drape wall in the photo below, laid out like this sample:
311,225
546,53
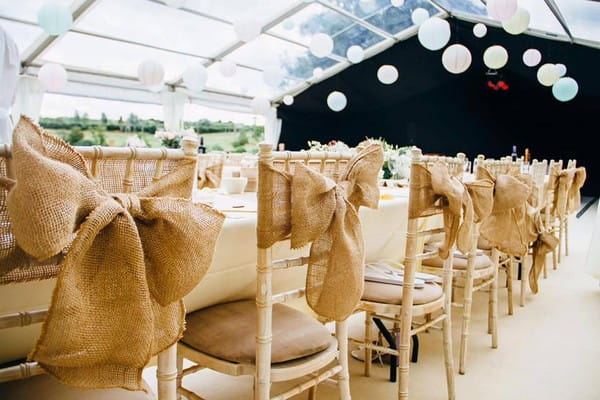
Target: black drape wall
445,113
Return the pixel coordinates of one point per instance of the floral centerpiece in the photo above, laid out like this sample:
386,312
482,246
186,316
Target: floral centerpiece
396,159
332,145
172,140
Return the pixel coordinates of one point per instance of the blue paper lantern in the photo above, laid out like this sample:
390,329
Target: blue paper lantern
565,89
54,18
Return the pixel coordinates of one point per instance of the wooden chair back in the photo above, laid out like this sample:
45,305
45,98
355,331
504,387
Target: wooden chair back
538,176
274,212
117,170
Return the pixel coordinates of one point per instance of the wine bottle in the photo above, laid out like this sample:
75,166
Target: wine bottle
201,147
527,155
514,153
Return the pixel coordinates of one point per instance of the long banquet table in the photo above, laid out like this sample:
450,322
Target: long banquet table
232,272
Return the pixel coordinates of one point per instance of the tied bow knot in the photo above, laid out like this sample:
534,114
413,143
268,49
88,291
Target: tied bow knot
326,213
118,296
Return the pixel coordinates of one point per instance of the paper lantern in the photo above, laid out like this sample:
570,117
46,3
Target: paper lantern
321,45
419,15
53,77
501,10
495,57
387,74
247,28
288,100
355,54
518,23
150,73
397,3
479,30
54,18
260,105
562,69
318,72
194,77
565,89
548,74
532,57
156,88
273,76
288,24
227,68
174,3
434,33
336,101
456,58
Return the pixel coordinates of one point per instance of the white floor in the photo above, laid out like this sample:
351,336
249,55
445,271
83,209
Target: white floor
550,349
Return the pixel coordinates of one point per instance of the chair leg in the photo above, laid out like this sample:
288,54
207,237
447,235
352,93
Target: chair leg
546,267
341,331
179,374
494,298
509,285
464,338
567,235
560,239
166,374
312,393
447,343
368,339
524,280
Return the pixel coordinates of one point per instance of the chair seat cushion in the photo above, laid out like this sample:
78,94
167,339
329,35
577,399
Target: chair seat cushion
392,294
459,260
227,331
47,388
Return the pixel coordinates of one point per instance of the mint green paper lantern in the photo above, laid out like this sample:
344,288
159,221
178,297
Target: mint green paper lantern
565,89
54,18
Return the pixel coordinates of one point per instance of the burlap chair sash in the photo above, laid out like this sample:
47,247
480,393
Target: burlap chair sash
507,227
325,213
574,195
431,186
209,177
118,296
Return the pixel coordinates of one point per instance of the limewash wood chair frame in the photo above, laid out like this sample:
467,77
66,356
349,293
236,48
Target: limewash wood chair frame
403,317
117,169
319,367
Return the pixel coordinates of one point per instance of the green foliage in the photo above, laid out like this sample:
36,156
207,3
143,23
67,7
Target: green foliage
259,133
98,136
75,136
215,147
239,149
241,141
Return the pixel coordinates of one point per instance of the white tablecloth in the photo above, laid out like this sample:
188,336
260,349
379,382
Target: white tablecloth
232,273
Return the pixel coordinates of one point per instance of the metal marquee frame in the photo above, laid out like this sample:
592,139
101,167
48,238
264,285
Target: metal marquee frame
86,82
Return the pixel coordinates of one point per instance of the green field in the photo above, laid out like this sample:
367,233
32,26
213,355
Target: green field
213,141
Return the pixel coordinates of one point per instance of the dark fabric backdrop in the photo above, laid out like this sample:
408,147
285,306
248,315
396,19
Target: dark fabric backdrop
445,113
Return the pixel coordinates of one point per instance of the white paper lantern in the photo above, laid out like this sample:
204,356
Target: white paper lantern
156,88
260,105
518,23
456,58
227,68
434,33
548,74
55,18
532,57
397,3
174,3
53,77
501,10
273,76
288,100
419,15
387,74
355,54
318,72
194,77
336,101
247,28
321,45
565,89
562,69
150,72
495,57
479,30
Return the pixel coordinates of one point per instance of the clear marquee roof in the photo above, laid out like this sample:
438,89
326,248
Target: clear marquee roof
109,39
